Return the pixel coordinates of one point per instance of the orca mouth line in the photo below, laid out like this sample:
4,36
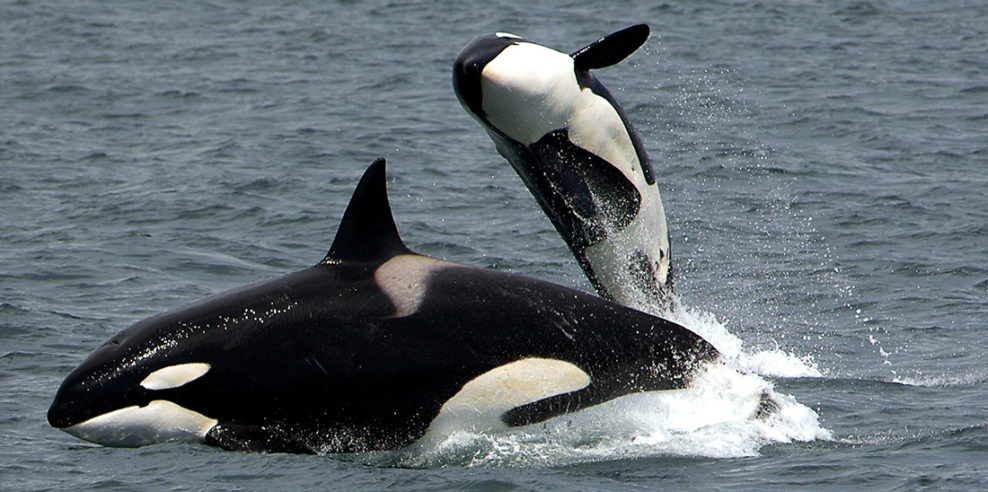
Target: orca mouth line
67,411
64,416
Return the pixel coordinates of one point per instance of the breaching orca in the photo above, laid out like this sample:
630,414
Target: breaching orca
573,146
367,350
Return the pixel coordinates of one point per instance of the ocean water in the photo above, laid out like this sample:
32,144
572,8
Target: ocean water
824,166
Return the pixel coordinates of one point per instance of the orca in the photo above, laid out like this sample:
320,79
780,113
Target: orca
574,148
368,350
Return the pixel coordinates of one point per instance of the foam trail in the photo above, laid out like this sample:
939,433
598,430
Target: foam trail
941,381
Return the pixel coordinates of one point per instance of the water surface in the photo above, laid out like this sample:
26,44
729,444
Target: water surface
823,164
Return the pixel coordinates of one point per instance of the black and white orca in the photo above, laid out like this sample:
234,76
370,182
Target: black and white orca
369,349
573,146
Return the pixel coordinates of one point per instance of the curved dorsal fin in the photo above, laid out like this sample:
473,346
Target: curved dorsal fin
367,232
611,49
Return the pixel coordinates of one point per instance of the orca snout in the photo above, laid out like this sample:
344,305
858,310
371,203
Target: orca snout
108,379
83,396
467,71
468,68
63,412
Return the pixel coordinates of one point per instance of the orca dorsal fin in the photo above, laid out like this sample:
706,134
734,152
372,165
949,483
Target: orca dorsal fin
611,49
367,232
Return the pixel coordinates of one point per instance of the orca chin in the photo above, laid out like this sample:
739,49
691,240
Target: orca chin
574,148
372,348
157,422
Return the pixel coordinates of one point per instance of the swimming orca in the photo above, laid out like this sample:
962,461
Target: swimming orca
367,350
573,146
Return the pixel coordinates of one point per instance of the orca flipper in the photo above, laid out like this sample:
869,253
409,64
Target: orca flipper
554,406
611,49
367,232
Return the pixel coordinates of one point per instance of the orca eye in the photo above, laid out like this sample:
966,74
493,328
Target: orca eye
175,376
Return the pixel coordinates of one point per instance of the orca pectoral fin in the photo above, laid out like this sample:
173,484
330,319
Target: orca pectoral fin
597,192
254,439
554,406
611,49
767,406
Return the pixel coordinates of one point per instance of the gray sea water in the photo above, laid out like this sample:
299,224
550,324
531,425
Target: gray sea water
824,165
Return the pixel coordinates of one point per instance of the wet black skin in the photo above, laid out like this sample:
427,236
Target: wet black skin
315,361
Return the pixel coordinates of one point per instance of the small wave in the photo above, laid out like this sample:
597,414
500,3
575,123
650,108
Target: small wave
942,381
960,436
975,89
68,89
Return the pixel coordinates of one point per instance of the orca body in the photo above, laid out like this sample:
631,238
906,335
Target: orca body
368,350
573,146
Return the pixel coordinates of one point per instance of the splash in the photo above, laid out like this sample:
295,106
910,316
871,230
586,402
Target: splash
774,363
718,416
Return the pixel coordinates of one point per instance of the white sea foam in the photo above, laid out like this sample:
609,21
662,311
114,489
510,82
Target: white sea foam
775,363
716,417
